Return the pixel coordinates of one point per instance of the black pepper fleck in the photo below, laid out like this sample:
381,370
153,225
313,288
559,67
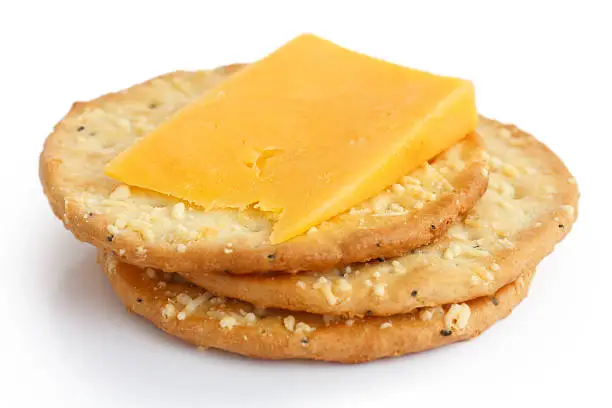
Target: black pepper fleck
369,313
433,227
445,332
90,214
561,226
152,105
380,259
92,133
378,244
495,301
271,257
110,238
139,300
305,341
80,128
413,293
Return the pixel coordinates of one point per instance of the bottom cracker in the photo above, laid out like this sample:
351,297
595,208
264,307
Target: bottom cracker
191,313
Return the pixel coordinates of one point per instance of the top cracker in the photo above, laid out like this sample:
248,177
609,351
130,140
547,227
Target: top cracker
149,229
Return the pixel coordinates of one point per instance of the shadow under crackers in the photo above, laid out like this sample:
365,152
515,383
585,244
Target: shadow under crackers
124,354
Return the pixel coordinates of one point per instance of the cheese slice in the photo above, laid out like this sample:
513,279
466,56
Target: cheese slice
307,132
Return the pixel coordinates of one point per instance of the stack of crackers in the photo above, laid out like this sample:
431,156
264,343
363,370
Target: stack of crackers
435,258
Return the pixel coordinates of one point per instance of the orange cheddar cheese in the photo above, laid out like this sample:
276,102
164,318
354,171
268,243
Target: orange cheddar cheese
307,132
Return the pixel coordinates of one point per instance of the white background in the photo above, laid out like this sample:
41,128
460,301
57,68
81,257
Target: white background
65,340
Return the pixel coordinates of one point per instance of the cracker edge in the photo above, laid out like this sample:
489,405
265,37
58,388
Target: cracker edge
362,342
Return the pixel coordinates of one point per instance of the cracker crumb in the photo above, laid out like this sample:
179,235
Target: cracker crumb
572,180
408,180
303,328
457,165
228,322
343,285
112,229
121,192
474,252
150,272
190,304
380,204
178,211
457,317
147,234
181,248
386,325
430,196
324,285
183,299
426,314
398,189
289,323
458,233
398,267
250,318
397,208
217,300
349,322
120,223
168,311
484,172
300,284
453,250
509,170
379,289
111,265
487,275
482,273
186,234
